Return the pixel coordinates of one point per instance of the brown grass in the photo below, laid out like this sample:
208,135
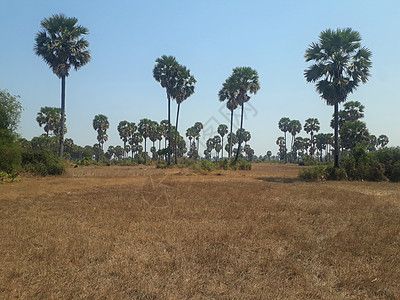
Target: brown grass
144,233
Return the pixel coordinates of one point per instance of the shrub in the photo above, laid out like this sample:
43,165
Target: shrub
240,164
390,159
42,162
162,165
315,173
332,173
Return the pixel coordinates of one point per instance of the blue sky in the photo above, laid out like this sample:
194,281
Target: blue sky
210,38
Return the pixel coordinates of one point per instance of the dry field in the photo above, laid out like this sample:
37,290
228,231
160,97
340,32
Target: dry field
144,233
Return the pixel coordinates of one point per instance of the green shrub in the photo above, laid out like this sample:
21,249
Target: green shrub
315,173
223,164
42,162
332,173
10,154
240,164
390,159
162,165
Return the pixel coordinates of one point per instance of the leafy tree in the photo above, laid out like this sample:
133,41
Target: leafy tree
340,64
118,152
125,130
311,126
222,130
383,140
101,124
50,117
10,111
283,125
62,45
352,133
269,154
198,127
166,72
98,151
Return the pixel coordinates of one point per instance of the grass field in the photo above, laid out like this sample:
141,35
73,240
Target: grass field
145,233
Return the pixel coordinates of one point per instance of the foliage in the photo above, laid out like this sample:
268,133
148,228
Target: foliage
10,111
315,173
10,154
390,159
42,163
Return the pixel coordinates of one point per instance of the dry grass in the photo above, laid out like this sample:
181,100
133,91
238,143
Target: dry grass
134,233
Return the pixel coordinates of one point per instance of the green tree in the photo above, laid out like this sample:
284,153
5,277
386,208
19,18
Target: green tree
166,72
352,133
222,130
294,129
50,117
10,111
62,45
101,124
340,64
144,129
383,140
125,130
283,125
311,126
242,82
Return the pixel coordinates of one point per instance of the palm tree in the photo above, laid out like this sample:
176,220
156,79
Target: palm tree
283,125
222,130
166,72
244,80
383,140
144,129
340,64
294,128
101,124
198,127
125,131
61,45
49,117
311,125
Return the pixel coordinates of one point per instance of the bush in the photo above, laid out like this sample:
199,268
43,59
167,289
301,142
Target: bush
10,154
390,159
162,165
332,173
240,164
315,173
42,162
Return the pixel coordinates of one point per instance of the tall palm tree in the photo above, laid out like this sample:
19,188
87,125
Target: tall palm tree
294,128
198,127
101,124
166,72
283,125
144,129
229,92
183,90
383,140
340,64
61,45
310,126
125,131
222,130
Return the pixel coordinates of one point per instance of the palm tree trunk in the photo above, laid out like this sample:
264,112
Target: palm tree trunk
240,136
145,151
124,149
176,136
61,150
169,129
285,148
230,137
222,144
336,135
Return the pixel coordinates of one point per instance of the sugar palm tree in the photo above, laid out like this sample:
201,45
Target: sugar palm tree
61,44
166,72
311,126
144,129
222,130
125,131
198,127
49,117
229,92
294,129
101,124
383,140
340,65
283,125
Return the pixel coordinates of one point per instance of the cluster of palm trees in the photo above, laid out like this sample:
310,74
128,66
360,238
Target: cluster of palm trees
339,65
351,131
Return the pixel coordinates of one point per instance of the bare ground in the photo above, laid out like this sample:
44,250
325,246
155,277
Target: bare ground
144,233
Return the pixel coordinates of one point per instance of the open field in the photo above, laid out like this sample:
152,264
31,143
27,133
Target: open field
145,233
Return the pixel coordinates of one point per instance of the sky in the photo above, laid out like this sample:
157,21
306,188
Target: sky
210,38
